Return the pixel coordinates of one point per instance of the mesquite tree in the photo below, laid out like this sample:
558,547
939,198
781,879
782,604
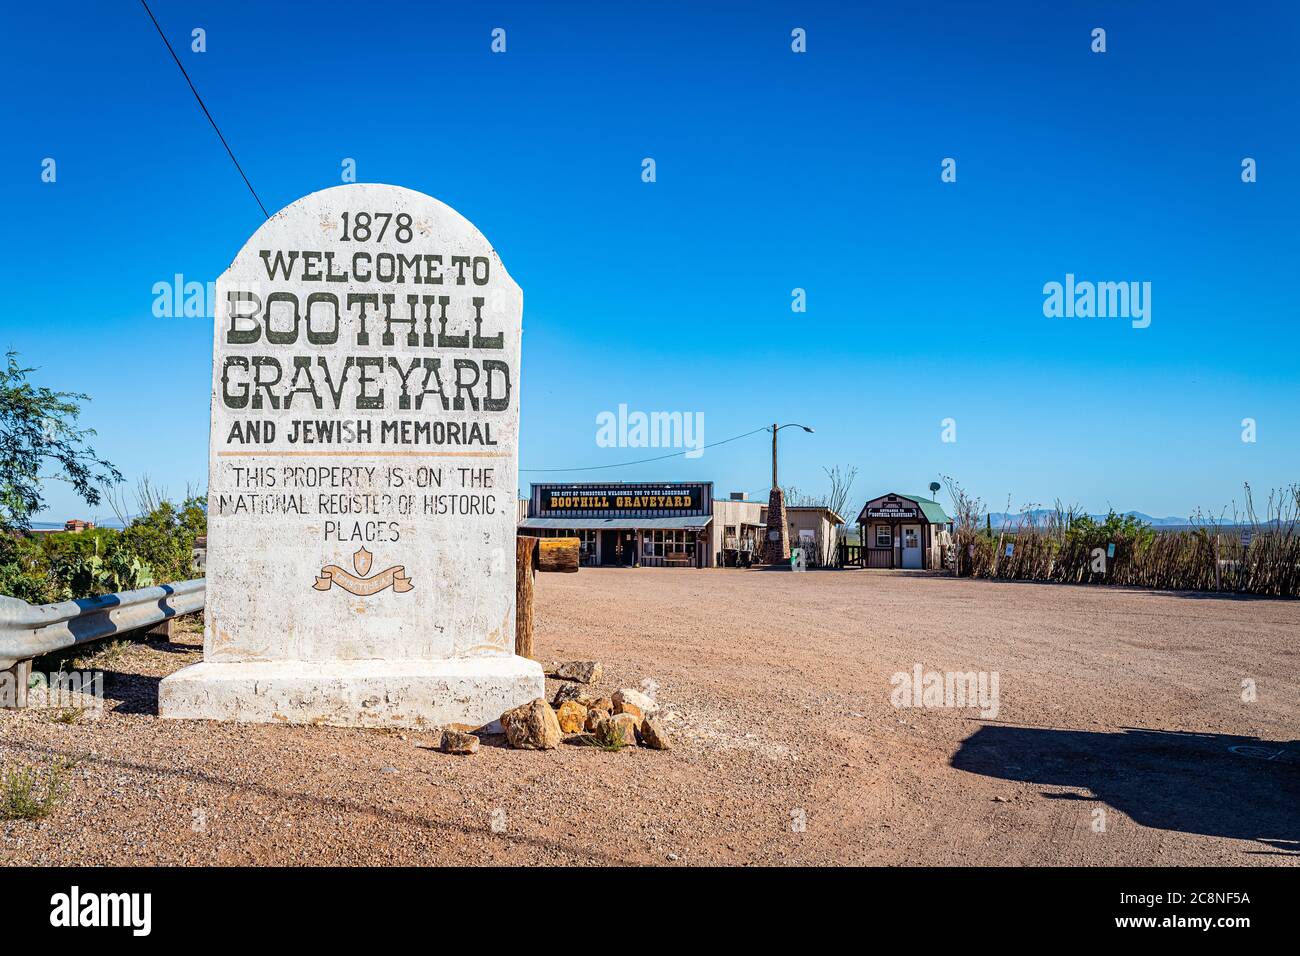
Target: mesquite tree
40,440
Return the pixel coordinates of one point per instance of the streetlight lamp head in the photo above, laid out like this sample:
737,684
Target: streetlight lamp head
806,428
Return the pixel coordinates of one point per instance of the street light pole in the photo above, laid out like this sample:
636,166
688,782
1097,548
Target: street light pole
776,428
774,431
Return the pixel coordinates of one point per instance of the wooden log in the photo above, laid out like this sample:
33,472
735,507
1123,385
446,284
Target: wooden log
525,558
558,554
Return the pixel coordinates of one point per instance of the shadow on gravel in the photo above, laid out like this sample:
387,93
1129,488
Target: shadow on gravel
134,693
1219,785
171,647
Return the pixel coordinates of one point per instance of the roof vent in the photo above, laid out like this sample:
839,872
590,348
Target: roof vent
737,496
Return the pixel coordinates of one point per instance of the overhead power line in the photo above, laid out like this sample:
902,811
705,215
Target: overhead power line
625,464
204,107
231,153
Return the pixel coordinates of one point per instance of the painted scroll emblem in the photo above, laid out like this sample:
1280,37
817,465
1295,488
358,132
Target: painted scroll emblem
332,574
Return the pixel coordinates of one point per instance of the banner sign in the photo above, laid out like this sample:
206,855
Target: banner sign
665,499
892,511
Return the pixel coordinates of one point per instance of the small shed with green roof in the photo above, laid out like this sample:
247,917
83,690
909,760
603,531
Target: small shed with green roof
903,531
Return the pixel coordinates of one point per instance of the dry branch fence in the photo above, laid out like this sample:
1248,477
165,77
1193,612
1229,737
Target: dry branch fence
1250,555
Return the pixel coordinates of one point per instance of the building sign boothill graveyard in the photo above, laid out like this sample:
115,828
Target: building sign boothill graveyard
365,415
590,499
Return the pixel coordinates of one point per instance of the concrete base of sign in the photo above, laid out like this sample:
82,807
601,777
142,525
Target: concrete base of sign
474,691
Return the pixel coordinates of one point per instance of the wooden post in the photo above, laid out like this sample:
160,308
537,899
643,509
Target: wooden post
525,555
21,674
163,629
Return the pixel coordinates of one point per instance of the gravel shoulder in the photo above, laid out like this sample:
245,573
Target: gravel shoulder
1121,738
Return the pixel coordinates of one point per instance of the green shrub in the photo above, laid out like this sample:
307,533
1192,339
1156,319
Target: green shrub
155,548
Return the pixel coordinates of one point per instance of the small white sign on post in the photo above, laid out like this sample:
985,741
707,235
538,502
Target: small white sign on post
362,473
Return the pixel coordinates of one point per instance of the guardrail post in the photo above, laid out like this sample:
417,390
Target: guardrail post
164,629
21,675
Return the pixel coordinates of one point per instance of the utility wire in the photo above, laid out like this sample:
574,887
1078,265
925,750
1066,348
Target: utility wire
204,107
624,464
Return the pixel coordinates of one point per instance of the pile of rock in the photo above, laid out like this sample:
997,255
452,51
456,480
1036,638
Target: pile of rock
627,715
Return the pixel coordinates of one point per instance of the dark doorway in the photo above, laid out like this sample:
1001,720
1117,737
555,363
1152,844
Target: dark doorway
609,547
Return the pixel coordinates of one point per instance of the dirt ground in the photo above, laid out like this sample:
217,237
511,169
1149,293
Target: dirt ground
1121,737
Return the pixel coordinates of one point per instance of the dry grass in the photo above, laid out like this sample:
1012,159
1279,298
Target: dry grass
33,793
1069,547
606,736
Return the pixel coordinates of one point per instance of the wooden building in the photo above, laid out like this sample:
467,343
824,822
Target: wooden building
815,528
903,531
737,530
628,524
668,524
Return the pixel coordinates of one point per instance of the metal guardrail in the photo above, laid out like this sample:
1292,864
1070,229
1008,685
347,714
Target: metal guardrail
30,630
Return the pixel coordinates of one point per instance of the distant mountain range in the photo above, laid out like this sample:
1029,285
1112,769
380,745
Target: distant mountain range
1040,515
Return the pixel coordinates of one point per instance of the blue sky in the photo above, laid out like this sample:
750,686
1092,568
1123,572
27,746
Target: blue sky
775,170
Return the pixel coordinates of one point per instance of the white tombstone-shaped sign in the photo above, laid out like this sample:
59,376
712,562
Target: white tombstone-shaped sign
362,474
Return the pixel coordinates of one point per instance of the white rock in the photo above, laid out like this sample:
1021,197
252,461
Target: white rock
637,699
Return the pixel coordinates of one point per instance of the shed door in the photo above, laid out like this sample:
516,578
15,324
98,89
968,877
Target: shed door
911,546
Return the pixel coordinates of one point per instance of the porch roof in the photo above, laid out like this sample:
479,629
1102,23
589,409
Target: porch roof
689,523
931,509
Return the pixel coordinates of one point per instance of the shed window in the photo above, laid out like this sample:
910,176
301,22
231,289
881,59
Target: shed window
883,538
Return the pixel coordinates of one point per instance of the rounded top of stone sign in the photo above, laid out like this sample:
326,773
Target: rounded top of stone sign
376,216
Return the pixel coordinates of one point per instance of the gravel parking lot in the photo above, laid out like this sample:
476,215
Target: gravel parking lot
1121,737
